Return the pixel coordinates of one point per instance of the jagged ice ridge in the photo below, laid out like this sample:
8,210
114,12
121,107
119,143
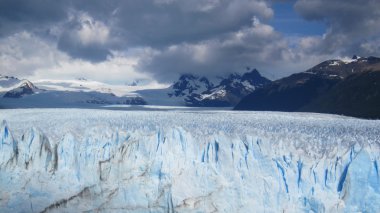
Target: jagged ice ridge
56,160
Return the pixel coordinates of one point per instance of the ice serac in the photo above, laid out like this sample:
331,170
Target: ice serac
8,146
283,167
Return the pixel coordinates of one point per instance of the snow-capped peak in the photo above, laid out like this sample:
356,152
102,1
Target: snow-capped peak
8,83
26,83
23,87
200,91
188,83
348,60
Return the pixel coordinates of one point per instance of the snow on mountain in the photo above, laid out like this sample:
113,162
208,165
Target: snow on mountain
115,161
188,84
81,92
214,94
348,60
85,85
11,87
175,94
199,91
335,63
189,90
241,85
24,88
333,86
341,68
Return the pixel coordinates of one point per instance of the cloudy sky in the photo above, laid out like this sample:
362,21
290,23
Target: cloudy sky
118,41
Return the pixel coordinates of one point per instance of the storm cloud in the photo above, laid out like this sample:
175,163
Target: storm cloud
353,26
160,39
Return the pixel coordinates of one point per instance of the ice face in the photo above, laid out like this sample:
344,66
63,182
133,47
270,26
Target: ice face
184,161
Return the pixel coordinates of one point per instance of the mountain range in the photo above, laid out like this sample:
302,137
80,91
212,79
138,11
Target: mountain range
17,93
335,86
348,87
201,92
188,90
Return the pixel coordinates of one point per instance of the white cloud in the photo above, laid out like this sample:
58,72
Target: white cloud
23,53
122,39
26,55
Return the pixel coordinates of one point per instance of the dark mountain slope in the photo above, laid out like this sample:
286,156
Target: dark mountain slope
358,95
288,94
348,88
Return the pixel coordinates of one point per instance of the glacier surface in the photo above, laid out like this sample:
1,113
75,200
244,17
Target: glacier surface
70,160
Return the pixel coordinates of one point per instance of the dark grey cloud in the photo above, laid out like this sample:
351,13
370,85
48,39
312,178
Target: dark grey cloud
92,30
163,38
352,24
36,15
156,23
74,48
258,45
160,22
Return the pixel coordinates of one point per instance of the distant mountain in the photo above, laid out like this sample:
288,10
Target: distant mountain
201,92
13,87
350,87
188,90
188,84
16,93
342,69
25,88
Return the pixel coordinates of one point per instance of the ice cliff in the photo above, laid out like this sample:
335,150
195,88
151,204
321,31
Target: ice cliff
113,161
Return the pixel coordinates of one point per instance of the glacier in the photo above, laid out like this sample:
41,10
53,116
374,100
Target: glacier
78,160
